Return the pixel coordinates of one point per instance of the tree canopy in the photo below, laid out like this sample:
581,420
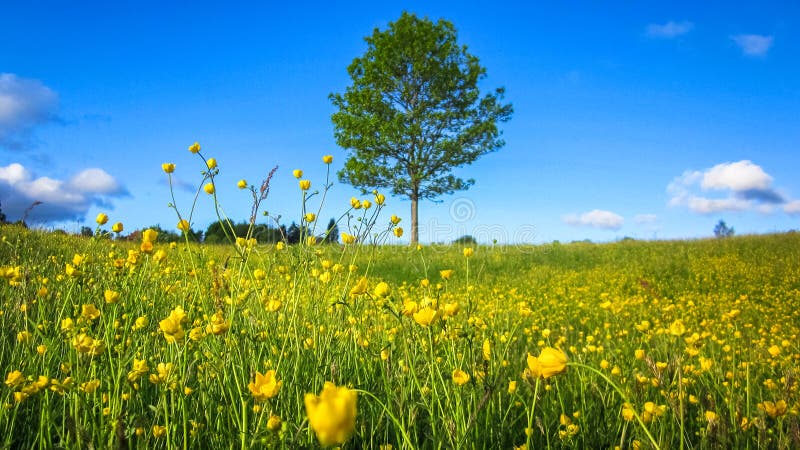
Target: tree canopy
414,112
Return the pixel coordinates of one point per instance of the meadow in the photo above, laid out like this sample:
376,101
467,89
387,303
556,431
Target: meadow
364,344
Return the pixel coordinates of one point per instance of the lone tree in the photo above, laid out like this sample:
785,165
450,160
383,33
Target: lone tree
721,230
414,113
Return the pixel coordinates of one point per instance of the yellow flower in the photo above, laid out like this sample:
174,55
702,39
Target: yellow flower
311,240
426,316
305,184
550,362
90,386
274,423
159,431
332,414
242,184
446,274
139,369
101,219
111,296
15,379
297,173
218,324
149,235
628,412
117,227
380,198
468,251
366,204
773,409
90,312
327,159
211,163
172,326
395,220
398,231
194,148
460,377
711,416
355,203
360,287
677,328
168,167
183,225
209,188
774,351
512,387
265,386
487,350
348,238
381,290
310,217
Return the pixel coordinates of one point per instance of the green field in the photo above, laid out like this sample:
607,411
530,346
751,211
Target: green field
684,344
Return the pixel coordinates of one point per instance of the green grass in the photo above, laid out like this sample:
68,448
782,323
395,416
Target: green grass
738,298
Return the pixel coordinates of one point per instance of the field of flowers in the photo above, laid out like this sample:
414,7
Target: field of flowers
115,344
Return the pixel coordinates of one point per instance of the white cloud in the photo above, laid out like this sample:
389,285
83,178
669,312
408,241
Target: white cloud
596,218
792,207
24,103
61,200
645,218
745,186
753,44
669,30
704,205
736,176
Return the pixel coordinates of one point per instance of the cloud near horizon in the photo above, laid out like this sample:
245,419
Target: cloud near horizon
753,44
668,30
60,200
596,218
24,104
745,186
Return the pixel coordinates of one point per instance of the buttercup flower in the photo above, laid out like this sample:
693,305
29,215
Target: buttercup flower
398,231
460,377
242,184
265,386
117,227
211,163
194,148
327,159
426,316
101,219
183,225
209,188
332,414
550,362
297,173
305,184
168,167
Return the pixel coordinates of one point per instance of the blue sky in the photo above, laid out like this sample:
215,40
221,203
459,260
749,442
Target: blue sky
652,120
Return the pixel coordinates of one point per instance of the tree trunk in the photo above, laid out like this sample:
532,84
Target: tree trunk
414,218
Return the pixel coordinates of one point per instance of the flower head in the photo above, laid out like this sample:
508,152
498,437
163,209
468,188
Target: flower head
550,362
460,377
101,219
332,414
265,386
211,163
305,184
183,225
117,227
242,184
327,159
209,188
168,167
194,148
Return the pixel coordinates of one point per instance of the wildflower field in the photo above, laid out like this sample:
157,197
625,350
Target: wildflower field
364,344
